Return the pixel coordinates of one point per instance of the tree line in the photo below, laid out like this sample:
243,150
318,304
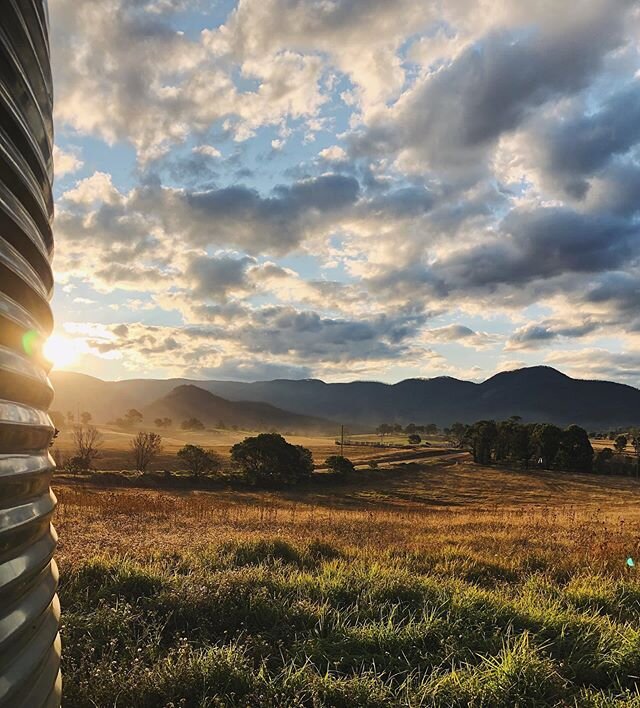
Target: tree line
547,446
131,419
266,459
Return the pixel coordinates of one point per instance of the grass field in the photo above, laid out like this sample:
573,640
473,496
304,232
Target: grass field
115,447
444,585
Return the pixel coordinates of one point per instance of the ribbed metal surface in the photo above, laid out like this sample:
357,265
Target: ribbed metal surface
29,610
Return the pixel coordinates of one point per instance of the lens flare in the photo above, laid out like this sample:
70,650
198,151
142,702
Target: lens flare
60,351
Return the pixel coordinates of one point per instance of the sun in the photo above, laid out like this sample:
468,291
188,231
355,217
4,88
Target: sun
60,351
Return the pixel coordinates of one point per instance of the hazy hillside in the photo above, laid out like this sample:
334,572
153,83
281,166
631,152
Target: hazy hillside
536,393
188,401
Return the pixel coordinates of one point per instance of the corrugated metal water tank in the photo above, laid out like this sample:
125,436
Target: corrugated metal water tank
29,609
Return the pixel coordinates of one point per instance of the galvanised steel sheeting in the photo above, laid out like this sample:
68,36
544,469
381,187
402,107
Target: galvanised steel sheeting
29,609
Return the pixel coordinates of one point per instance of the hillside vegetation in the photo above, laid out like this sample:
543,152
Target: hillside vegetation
442,400
455,585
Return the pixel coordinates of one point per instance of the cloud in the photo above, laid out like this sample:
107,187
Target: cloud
333,154
480,158
532,336
66,162
208,150
599,364
586,143
124,73
461,334
156,223
277,338
361,36
451,119
215,278
541,243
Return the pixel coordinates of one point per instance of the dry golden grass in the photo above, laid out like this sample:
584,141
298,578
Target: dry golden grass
440,585
590,522
115,448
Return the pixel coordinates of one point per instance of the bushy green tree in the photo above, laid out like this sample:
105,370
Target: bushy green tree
602,462
575,453
481,437
620,443
270,460
458,431
340,466
514,441
545,441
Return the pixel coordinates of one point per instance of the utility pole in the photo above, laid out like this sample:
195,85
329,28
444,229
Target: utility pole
342,440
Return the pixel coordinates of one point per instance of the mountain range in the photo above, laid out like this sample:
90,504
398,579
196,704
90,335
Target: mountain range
537,393
189,401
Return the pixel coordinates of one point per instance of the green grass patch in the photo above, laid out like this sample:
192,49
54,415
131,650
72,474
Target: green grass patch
264,622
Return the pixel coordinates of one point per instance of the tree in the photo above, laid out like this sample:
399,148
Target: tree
87,441
513,441
458,432
269,459
144,447
620,443
133,417
603,460
635,444
192,424
70,417
575,453
414,439
340,466
85,417
199,461
384,429
163,422
545,441
482,437
431,429
410,429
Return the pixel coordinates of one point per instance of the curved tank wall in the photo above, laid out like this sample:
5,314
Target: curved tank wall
29,609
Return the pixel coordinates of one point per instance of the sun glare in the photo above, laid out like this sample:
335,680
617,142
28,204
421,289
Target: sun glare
60,351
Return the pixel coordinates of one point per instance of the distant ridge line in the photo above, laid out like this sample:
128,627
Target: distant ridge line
539,393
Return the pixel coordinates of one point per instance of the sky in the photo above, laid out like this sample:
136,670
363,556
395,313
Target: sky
346,189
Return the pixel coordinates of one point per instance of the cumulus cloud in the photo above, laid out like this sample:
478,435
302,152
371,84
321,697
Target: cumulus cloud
124,73
66,161
461,334
361,36
535,335
450,120
265,339
481,159
599,364
333,154
208,150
